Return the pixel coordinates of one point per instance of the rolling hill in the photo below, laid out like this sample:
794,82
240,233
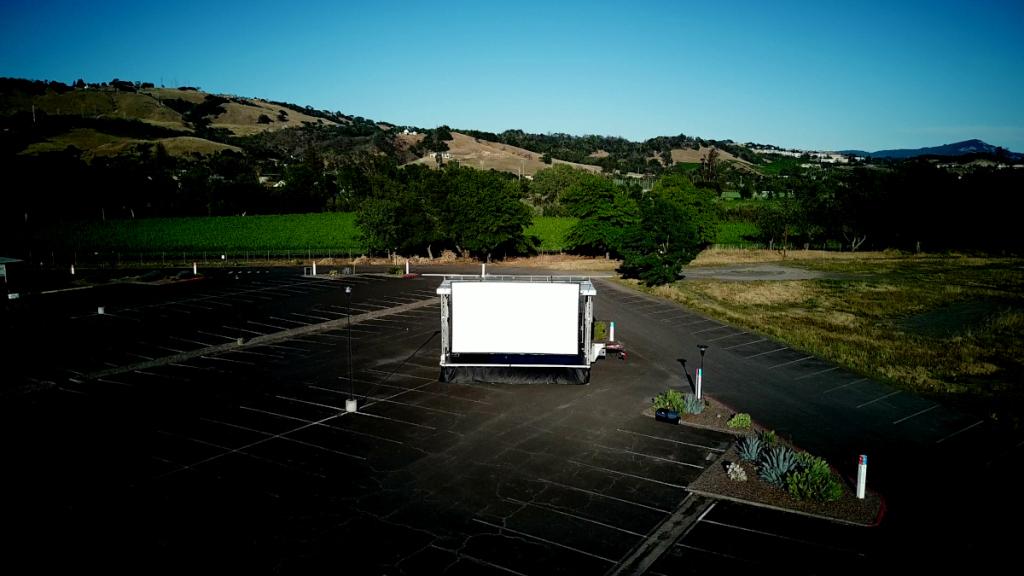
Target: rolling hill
955,149
484,155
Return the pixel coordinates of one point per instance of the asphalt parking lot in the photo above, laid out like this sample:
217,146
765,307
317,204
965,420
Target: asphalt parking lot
246,460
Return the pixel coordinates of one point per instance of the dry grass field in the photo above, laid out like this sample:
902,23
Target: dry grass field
95,144
949,326
484,155
561,262
727,257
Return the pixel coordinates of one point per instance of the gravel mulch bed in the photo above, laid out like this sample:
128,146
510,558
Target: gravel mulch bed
715,482
714,417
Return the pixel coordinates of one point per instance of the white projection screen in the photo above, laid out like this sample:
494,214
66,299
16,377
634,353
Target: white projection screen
515,318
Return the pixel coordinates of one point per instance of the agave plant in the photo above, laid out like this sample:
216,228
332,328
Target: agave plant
692,404
777,463
749,448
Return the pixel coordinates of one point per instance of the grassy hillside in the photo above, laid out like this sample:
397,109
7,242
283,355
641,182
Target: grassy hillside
484,155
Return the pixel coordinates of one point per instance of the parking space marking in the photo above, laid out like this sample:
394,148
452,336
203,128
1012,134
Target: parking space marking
394,402
243,330
670,440
257,353
562,512
114,382
139,356
790,362
644,478
314,317
691,323
392,419
710,329
844,385
877,399
309,421
916,414
204,344
959,431
768,352
160,375
816,373
375,371
781,536
546,541
681,545
267,325
292,321
630,452
729,336
599,495
745,344
163,348
212,334
661,312
671,318
225,360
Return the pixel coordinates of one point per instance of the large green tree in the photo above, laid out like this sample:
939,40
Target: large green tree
483,213
698,204
657,246
604,210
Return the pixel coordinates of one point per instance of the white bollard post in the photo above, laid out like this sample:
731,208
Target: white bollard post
101,310
862,476
350,405
483,270
611,333
407,266
314,267
700,376
72,269
195,270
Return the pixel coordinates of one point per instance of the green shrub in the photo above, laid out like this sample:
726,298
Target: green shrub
692,404
396,270
768,438
749,448
778,463
739,421
669,399
600,330
333,273
814,481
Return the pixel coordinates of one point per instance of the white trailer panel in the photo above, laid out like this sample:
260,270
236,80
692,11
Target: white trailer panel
515,318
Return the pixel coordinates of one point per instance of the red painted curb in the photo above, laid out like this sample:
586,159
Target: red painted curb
752,421
410,276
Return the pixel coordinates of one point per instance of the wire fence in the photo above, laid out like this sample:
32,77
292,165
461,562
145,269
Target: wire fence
167,258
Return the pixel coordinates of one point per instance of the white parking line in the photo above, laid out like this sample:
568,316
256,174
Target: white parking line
217,335
844,385
877,399
225,360
392,419
790,362
632,453
539,539
780,536
710,329
745,344
959,431
557,511
204,344
242,330
729,336
292,321
768,352
816,373
599,495
627,474
916,414
313,317
394,402
691,323
267,325
670,440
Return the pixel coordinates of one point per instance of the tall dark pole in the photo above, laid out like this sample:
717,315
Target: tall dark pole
348,297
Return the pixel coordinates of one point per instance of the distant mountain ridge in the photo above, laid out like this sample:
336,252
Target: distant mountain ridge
956,149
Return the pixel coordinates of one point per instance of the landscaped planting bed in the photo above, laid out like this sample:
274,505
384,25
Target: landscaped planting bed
762,469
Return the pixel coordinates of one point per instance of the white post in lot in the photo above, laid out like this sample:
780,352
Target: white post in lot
195,270
611,333
700,374
483,270
862,476
407,266
72,269
314,267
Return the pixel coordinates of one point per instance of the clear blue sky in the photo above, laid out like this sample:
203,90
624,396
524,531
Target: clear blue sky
837,75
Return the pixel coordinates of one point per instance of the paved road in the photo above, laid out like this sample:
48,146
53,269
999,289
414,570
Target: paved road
755,272
948,476
245,459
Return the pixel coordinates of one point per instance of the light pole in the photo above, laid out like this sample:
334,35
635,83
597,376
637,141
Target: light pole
350,404
700,373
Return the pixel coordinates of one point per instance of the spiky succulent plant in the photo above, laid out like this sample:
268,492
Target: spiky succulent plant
749,448
692,404
777,463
